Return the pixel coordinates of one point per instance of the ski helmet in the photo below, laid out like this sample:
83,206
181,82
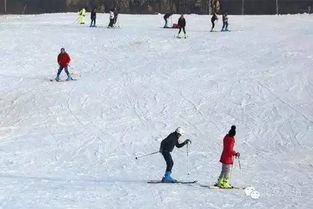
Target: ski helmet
180,131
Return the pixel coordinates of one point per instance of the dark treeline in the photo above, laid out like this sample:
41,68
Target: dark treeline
162,6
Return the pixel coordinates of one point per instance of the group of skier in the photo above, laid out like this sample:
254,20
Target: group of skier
227,156
93,16
182,22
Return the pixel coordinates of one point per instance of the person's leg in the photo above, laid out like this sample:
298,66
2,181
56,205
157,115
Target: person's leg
69,77
179,31
57,78
184,30
169,161
169,165
227,171
226,26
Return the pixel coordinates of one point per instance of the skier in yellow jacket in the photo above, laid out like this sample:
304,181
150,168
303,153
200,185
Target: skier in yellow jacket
82,14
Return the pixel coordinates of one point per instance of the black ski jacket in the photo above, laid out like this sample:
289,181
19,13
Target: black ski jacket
168,144
181,22
93,15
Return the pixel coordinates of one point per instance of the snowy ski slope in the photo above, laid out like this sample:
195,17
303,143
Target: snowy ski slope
73,144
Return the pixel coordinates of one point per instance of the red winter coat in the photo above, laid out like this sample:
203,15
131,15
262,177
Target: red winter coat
64,59
228,150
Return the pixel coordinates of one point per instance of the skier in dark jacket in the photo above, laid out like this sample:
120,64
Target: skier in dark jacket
166,16
181,25
213,18
115,12
225,22
93,16
167,146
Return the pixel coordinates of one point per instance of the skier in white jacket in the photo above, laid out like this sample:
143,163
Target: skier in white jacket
111,19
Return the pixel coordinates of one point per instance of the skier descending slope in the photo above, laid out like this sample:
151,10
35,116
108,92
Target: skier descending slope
225,22
167,146
213,18
93,16
63,60
181,25
111,19
227,159
165,17
82,14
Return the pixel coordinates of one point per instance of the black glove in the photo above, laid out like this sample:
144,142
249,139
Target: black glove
237,154
188,141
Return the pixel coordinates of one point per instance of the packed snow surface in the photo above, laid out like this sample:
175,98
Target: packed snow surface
73,144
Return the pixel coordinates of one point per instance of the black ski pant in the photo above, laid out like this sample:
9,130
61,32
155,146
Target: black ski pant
169,161
93,22
111,23
165,19
183,30
65,69
213,25
225,26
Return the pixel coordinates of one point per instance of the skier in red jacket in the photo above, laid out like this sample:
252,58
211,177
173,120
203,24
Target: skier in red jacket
227,158
63,61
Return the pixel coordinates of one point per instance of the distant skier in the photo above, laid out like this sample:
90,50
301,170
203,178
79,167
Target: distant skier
63,61
227,159
111,19
213,18
167,146
181,25
225,22
82,14
93,16
165,17
115,12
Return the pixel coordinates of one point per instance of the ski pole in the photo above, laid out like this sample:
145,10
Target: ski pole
188,173
141,156
239,163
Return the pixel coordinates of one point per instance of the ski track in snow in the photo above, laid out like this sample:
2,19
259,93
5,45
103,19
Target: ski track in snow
72,144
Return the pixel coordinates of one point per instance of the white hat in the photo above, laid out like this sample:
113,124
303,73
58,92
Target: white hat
180,131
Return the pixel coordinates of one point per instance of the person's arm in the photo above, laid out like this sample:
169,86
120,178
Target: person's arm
59,60
178,145
68,59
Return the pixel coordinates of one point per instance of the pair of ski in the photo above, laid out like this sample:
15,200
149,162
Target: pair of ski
53,80
190,182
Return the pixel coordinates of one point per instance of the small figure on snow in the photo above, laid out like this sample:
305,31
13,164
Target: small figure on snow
63,61
227,159
165,17
111,19
181,25
82,14
115,12
213,18
225,22
93,16
167,146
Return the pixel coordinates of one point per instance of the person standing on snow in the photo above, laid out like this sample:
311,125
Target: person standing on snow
167,146
115,12
111,19
63,61
213,18
82,14
227,159
165,17
181,25
93,16
225,22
